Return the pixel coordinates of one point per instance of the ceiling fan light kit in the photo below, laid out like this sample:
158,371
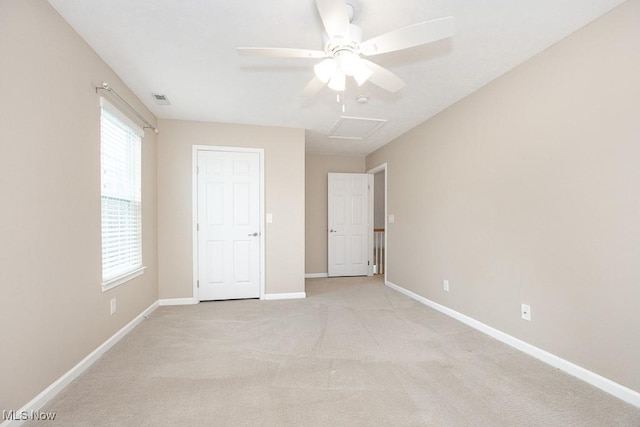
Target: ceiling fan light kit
345,63
325,69
344,50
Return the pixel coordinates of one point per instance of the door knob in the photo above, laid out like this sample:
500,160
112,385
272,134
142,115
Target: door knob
253,234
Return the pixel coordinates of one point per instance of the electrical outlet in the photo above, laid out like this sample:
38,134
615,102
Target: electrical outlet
392,219
445,285
113,306
526,312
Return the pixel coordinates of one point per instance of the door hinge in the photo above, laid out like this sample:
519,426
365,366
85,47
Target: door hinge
368,262
198,227
197,170
198,283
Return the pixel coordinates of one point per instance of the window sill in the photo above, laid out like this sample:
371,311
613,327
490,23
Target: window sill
117,281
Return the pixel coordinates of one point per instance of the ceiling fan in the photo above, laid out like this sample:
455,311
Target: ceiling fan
344,49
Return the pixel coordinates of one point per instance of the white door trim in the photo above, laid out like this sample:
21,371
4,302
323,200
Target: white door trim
370,227
374,170
194,209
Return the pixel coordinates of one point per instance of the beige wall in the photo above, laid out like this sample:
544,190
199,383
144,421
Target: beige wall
318,166
53,312
284,198
378,200
527,192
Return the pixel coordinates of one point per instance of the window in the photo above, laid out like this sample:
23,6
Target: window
121,191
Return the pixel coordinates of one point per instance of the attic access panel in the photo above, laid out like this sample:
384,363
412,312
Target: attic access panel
358,128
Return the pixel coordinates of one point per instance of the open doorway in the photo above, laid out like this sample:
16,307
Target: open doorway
379,219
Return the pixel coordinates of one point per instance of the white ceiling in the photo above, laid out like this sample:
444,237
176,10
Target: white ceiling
187,51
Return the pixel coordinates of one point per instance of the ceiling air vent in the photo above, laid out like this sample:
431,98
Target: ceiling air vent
355,127
161,99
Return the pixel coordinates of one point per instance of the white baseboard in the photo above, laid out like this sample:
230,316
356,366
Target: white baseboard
315,275
178,301
50,392
292,295
604,384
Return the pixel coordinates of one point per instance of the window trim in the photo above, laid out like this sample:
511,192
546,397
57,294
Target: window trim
124,278
115,111
138,271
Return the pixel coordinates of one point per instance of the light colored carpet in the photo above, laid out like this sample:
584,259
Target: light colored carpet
354,353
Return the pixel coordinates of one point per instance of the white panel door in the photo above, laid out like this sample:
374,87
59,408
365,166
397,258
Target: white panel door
228,225
348,224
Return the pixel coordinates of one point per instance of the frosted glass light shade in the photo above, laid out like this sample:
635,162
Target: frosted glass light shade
324,70
338,81
347,62
334,70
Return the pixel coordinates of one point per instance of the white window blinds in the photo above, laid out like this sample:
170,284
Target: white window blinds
120,159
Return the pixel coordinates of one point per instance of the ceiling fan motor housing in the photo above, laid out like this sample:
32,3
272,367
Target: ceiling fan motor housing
351,42
346,56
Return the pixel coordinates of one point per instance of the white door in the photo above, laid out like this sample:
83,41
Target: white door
348,224
228,225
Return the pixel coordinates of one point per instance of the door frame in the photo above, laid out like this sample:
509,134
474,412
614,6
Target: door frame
194,209
383,167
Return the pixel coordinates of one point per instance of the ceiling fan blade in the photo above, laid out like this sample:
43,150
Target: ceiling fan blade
281,52
383,78
313,87
406,37
334,17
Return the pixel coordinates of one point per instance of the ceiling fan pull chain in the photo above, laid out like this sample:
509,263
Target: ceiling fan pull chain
340,100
